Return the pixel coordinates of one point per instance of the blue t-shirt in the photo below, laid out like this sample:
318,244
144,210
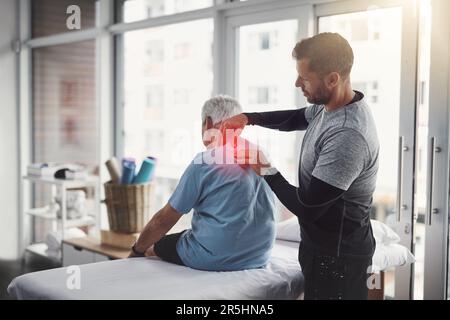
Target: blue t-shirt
233,225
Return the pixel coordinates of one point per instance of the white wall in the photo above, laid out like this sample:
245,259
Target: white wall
9,160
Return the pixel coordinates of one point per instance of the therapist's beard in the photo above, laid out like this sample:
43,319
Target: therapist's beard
321,96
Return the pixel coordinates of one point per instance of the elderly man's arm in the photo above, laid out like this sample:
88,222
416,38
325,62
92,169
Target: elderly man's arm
156,228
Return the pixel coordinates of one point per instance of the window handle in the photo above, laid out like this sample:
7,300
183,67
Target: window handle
432,169
401,149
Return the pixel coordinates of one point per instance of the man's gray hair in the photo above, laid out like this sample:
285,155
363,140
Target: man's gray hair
219,108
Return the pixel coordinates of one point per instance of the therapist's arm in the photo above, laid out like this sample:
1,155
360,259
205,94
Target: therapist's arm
309,205
340,162
284,120
157,227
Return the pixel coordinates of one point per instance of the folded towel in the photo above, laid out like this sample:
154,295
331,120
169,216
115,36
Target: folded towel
54,239
56,254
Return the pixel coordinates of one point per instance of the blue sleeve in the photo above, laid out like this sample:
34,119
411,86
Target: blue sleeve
188,190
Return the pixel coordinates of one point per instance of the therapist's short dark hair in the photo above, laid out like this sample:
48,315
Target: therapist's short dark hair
327,52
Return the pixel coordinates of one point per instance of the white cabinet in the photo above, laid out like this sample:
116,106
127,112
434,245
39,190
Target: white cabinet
60,223
75,255
72,255
100,257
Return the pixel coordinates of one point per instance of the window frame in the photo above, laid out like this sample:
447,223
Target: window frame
109,66
110,75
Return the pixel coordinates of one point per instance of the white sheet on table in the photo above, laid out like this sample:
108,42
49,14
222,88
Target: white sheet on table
142,278
155,279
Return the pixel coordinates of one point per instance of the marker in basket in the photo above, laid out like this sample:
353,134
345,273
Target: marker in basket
145,172
128,169
152,174
114,170
128,159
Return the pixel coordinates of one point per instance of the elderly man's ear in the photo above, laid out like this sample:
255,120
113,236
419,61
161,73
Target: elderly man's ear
207,136
208,123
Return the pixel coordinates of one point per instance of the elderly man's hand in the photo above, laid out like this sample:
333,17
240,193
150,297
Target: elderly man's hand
237,122
132,255
150,252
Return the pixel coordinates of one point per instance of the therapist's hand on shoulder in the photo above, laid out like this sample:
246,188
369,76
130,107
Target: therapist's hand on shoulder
236,122
255,158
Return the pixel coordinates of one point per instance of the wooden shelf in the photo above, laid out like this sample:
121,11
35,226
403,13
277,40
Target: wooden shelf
40,213
94,245
90,181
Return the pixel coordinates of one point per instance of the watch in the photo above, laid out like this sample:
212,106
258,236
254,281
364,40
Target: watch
136,252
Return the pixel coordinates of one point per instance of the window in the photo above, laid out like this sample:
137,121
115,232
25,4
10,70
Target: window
374,92
262,95
182,51
64,110
134,10
181,96
155,51
154,140
154,97
375,85
360,30
376,35
360,86
380,83
369,88
49,16
359,27
264,85
155,9
65,115
167,123
374,29
262,40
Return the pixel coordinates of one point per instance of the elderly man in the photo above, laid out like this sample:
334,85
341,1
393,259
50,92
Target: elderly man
233,221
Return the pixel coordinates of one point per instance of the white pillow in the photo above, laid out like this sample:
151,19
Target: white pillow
289,230
383,234
391,255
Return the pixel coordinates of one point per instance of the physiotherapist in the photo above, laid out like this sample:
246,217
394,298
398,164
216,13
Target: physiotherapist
337,170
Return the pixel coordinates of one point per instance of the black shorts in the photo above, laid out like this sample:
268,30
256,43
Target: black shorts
327,277
166,248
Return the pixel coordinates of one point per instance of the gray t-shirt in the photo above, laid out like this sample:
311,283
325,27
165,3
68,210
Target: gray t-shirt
340,147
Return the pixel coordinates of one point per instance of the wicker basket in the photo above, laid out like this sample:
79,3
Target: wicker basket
128,206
